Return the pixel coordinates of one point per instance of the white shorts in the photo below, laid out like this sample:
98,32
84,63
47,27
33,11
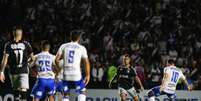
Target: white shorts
132,92
20,81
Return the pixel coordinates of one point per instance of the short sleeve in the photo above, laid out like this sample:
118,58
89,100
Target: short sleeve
6,49
29,48
165,70
60,50
134,71
84,53
182,75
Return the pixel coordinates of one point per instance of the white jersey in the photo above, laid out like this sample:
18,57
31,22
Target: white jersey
72,53
174,75
44,63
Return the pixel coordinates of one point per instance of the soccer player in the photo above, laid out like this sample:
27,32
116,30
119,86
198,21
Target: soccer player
72,53
126,75
45,84
171,76
16,55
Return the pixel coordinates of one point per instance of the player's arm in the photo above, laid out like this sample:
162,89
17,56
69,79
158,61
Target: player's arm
165,76
4,63
137,79
58,57
87,70
183,79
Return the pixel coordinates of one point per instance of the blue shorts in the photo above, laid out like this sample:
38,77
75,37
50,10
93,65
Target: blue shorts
59,86
43,87
78,85
156,92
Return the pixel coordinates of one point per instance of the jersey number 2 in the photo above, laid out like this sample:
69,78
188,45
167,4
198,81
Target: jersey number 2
174,76
71,56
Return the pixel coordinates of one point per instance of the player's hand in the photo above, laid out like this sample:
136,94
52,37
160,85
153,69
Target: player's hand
86,80
189,88
2,77
161,88
142,88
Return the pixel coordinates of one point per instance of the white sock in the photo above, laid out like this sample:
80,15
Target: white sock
65,98
81,97
152,98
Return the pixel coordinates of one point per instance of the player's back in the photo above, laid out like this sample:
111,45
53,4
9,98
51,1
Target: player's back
72,55
174,75
44,63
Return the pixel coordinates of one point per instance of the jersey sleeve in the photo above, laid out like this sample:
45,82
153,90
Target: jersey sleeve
6,49
134,71
84,53
165,70
60,50
29,48
182,75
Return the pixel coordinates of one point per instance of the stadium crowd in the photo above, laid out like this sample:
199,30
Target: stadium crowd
150,31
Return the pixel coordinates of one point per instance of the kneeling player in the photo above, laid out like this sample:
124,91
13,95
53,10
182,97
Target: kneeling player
171,76
126,75
45,82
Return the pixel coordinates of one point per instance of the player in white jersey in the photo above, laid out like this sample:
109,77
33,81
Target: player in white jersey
171,76
72,53
45,84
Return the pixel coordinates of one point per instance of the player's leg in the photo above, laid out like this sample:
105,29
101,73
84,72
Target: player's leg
66,91
38,90
172,97
50,86
15,80
122,93
133,93
81,89
59,91
154,92
24,86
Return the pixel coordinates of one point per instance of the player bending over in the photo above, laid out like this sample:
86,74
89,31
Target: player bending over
45,84
126,75
16,55
171,76
72,53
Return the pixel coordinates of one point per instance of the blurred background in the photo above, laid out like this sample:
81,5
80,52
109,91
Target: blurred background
151,31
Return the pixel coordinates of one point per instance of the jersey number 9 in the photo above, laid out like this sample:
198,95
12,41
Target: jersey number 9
71,56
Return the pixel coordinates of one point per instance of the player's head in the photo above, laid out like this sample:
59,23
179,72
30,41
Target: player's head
170,62
17,33
45,46
127,59
75,36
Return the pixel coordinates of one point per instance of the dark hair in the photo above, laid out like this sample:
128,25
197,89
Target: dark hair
45,44
75,35
171,61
